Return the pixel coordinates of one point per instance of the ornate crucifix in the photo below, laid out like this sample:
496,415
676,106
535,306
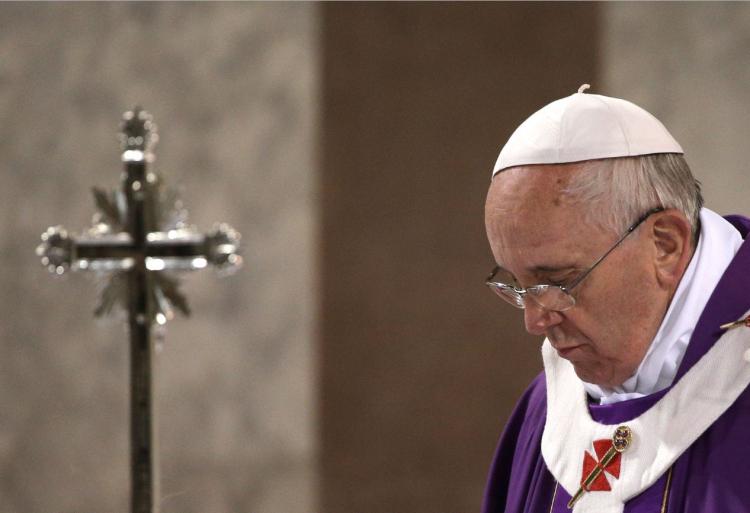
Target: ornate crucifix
137,237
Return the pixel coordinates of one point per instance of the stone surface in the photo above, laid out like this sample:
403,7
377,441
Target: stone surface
232,88
687,64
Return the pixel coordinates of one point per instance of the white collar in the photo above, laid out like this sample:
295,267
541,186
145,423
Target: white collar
719,241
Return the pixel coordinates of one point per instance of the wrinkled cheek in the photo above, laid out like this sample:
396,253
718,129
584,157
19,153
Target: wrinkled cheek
556,335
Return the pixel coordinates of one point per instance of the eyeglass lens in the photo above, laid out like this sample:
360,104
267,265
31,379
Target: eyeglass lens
550,297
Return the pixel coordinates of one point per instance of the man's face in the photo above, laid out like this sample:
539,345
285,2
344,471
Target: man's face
541,237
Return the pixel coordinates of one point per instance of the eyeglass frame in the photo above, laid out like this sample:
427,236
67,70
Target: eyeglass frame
520,293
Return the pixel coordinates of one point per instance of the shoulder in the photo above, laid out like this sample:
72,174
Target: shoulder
529,415
742,224
534,398
518,452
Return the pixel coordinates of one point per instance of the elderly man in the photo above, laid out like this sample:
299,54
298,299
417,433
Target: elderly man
597,228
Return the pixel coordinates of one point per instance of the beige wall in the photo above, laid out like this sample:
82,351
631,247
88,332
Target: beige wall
232,87
689,64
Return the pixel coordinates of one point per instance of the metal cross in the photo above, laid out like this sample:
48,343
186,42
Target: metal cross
138,235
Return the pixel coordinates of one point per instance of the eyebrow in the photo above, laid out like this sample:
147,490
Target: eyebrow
541,269
553,268
544,268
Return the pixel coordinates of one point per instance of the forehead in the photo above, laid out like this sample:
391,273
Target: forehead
529,194
545,179
529,217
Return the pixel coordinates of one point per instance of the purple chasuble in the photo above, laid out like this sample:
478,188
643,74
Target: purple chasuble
711,476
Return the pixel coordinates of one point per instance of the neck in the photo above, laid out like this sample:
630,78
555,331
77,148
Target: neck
717,245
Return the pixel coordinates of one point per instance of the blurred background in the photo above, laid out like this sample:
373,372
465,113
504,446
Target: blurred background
356,364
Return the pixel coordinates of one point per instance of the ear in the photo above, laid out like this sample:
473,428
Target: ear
671,234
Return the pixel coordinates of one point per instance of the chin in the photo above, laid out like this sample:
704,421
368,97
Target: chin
591,375
596,378
587,377
591,369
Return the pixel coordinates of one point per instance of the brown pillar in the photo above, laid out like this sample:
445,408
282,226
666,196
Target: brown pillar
420,365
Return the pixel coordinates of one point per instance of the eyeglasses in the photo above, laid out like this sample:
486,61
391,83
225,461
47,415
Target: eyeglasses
554,297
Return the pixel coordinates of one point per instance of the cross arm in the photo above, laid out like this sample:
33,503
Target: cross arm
182,249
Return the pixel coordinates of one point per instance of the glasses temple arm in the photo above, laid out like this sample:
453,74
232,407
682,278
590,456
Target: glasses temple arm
625,236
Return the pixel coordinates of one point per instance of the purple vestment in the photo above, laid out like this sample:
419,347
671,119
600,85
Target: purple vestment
711,476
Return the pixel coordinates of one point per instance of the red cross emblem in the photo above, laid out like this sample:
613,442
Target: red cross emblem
608,462
600,483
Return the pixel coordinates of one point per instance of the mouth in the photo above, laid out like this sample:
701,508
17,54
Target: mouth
565,352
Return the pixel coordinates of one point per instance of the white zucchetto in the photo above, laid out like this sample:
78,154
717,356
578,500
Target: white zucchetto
585,127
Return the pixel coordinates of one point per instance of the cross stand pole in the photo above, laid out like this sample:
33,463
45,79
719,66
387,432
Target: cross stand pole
140,233
140,221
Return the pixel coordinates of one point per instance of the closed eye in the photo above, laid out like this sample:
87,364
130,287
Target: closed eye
562,281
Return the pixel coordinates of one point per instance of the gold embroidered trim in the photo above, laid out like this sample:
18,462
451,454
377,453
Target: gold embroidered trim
666,491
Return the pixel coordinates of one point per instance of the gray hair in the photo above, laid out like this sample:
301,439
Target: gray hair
618,191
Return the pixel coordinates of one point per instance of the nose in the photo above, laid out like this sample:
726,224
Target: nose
537,319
